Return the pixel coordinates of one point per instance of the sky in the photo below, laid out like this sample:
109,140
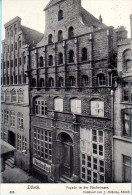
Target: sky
114,12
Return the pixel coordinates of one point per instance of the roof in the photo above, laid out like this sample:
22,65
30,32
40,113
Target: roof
89,19
51,3
31,36
17,18
6,148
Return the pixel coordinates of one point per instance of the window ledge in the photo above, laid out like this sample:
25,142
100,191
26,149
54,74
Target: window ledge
41,116
123,138
123,102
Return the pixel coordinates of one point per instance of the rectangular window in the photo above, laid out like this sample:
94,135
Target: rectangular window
97,108
127,122
11,63
58,104
2,116
15,45
12,119
41,107
21,143
6,116
127,169
20,61
42,144
76,106
15,62
11,47
127,91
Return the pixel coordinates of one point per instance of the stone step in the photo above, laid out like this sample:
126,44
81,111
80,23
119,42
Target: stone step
64,180
9,164
12,158
67,178
11,161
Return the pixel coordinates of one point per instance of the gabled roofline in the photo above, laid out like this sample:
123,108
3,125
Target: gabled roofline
48,6
17,18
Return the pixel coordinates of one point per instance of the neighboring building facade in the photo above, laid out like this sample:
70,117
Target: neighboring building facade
71,109
15,112
123,113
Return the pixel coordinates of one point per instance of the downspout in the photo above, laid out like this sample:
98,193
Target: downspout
112,126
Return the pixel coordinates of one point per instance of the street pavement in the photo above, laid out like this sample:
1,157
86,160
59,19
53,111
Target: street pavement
17,175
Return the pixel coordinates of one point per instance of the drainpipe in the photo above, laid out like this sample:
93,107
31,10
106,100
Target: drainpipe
112,126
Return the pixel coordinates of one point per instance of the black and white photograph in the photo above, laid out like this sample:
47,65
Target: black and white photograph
66,91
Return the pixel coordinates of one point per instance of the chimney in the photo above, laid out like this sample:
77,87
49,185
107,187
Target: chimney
131,25
100,19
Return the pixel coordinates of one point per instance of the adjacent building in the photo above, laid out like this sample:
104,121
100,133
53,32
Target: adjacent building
123,113
15,112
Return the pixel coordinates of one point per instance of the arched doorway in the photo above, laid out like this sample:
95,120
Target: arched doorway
66,154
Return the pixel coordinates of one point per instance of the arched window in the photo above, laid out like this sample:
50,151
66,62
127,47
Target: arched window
51,82
41,61
84,80
71,56
72,81
61,82
50,38
58,104
13,95
60,58
40,106
127,58
21,95
50,60
60,36
20,120
75,106
33,83
97,108
70,32
41,82
84,54
60,15
101,81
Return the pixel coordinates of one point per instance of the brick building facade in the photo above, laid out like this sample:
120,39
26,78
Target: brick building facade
15,112
71,108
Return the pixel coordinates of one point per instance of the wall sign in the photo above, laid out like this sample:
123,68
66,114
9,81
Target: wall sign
42,165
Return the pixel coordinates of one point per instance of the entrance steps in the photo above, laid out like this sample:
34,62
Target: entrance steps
64,179
10,162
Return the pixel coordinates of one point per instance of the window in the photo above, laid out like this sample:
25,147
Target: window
75,106
97,108
2,116
98,140
50,38
60,36
85,80
41,82
15,62
13,95
20,79
20,43
40,107
2,95
71,56
33,83
24,58
41,61
15,29
12,119
60,15
42,144
92,164
60,82
20,120
58,104
72,81
11,63
7,80
12,33
51,82
15,45
11,47
84,54
7,64
60,58
6,116
50,60
127,122
101,80
15,79
127,91
127,60
21,143
70,32
20,61
24,78
21,95
127,169
11,79
7,96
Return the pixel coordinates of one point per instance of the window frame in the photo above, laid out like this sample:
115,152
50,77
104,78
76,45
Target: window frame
40,107
77,109
93,107
59,105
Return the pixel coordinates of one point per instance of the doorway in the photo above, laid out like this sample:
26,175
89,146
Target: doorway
11,138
